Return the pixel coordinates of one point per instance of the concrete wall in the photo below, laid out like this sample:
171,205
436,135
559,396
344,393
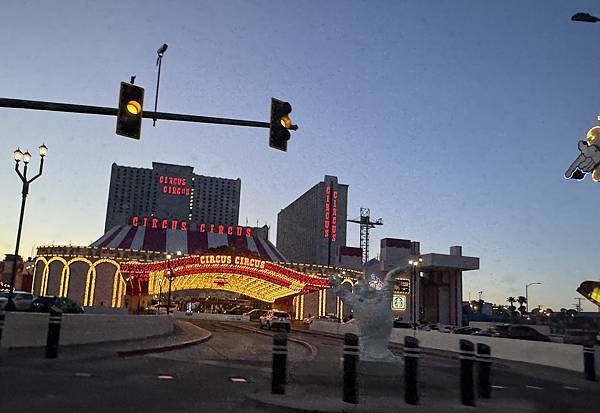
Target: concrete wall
211,316
31,329
565,356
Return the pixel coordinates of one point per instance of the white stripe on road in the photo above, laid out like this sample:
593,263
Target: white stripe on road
533,387
494,386
83,375
165,377
570,388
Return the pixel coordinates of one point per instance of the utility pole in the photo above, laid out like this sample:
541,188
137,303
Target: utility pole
578,304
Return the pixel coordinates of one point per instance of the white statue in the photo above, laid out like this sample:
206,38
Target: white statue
371,302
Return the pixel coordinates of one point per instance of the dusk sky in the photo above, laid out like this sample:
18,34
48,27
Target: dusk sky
454,121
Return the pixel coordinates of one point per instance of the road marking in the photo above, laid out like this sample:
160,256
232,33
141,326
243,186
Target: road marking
533,387
83,375
164,377
238,380
570,388
494,386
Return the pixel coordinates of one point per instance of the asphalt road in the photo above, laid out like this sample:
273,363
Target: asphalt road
218,374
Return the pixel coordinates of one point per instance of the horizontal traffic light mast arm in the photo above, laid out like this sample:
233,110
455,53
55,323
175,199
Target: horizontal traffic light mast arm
100,110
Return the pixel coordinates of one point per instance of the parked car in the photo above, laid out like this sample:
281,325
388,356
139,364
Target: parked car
275,319
22,300
402,324
466,330
43,304
521,332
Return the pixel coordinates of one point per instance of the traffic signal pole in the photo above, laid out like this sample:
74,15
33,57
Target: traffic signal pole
101,110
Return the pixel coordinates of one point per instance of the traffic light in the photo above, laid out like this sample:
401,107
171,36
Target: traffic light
129,116
590,290
279,125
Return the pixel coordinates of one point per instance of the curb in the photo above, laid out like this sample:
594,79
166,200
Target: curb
165,348
313,350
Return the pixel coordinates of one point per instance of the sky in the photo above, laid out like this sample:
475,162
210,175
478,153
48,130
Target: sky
454,121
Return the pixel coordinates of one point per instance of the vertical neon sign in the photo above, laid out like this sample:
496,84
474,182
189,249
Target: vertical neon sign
330,213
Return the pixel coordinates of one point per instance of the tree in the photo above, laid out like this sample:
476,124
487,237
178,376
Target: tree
511,300
522,300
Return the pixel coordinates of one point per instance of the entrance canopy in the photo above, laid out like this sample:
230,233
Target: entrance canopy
253,277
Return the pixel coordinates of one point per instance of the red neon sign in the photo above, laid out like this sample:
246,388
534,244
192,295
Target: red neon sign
174,185
330,214
150,222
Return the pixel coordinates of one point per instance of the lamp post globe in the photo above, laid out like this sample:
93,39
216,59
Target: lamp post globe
26,157
43,150
18,155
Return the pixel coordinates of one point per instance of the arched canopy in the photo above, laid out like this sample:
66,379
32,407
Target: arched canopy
256,278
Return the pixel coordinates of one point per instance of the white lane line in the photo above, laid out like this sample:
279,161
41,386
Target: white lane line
494,386
533,387
570,388
164,377
83,375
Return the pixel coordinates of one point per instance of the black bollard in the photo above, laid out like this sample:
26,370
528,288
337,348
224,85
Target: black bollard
411,361
467,358
589,366
279,363
1,323
53,333
351,351
484,365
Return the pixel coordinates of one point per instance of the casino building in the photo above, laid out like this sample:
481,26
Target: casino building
167,223
171,192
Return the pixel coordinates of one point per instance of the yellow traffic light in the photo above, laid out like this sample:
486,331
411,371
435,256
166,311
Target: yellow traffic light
286,122
134,107
130,110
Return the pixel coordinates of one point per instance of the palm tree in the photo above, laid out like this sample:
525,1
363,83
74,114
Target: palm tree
522,300
511,300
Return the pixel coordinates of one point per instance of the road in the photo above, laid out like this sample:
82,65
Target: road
217,375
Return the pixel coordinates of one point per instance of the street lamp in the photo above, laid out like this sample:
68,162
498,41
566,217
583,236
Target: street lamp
527,296
413,270
170,281
25,157
584,17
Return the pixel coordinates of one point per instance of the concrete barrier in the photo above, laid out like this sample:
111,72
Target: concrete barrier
31,329
565,356
210,316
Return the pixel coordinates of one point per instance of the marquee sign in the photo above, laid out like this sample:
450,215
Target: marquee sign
330,213
250,276
402,286
156,223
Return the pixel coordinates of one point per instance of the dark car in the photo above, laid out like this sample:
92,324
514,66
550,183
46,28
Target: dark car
402,324
43,304
526,333
467,330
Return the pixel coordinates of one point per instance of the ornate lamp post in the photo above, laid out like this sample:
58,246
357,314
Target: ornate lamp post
25,157
413,269
170,281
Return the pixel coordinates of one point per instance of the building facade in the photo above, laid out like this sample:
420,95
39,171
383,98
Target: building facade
313,227
173,193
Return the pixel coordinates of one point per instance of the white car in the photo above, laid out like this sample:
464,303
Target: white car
275,319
